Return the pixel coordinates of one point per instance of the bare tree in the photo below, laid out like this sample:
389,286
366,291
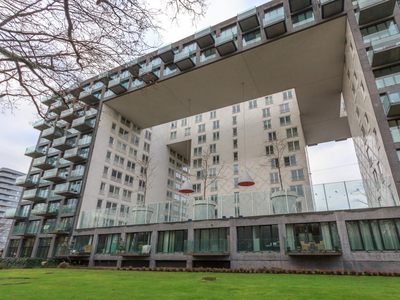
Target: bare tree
209,172
47,45
147,174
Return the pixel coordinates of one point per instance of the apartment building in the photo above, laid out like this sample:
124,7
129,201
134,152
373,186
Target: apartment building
10,195
103,188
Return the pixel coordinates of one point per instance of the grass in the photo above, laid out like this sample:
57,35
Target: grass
107,284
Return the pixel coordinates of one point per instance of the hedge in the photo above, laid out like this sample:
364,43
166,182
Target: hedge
27,263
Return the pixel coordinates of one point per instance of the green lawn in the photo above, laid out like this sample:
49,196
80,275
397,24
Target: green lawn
104,284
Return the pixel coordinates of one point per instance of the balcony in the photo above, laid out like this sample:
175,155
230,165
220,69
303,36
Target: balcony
258,245
185,60
41,125
68,209
77,173
64,143
391,103
149,74
46,210
395,134
105,77
373,10
45,163
75,89
330,8
167,52
207,247
16,214
320,245
88,98
69,115
23,230
26,181
35,195
59,228
387,80
52,133
119,85
67,190
226,44
248,19
297,5
133,67
51,116
75,155
57,107
274,23
385,51
36,151
83,125
54,175
205,37
49,100
85,140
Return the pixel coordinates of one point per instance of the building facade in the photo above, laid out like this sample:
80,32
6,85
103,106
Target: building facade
245,95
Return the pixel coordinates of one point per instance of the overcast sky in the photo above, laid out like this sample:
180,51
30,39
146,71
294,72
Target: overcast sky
329,162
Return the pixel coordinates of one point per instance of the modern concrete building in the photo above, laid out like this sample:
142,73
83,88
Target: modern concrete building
10,195
103,191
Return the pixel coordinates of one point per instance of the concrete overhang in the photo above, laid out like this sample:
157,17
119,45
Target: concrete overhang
311,61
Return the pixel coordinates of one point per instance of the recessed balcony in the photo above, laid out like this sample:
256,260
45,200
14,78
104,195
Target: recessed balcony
67,190
226,44
45,163
274,23
75,90
59,228
185,60
149,74
167,52
133,66
52,133
77,173
205,37
119,85
105,77
36,151
372,10
88,97
68,209
54,175
57,107
46,210
391,103
42,125
83,125
35,195
49,100
16,214
75,155
64,143
330,8
320,245
385,51
26,181
69,115
207,247
24,230
248,19
297,5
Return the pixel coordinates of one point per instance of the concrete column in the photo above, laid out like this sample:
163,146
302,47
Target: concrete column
94,243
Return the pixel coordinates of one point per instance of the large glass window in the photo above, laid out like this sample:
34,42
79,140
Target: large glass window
12,250
138,242
27,247
258,239
108,243
61,246
171,241
43,248
302,18
82,244
379,31
211,240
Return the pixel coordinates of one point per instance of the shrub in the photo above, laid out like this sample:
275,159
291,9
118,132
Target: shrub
195,270
180,269
1,266
27,263
63,265
123,268
367,273
283,271
161,269
345,272
359,273
173,269
303,271
396,274
154,268
382,274
309,271
389,274
375,273
339,272
252,270
167,270
316,271
329,272
117,268
353,272
130,268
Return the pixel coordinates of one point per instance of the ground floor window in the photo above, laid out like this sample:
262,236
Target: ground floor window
108,243
212,240
43,248
61,246
171,241
258,238
27,247
138,242
12,250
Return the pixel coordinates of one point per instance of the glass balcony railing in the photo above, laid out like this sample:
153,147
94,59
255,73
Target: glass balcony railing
53,132
19,229
55,175
70,208
387,42
26,180
35,151
309,17
318,243
75,155
388,80
39,209
45,162
82,124
35,194
48,100
207,246
16,213
225,38
77,173
85,141
376,36
57,227
64,143
362,4
274,17
395,134
67,189
41,124
185,55
149,71
258,245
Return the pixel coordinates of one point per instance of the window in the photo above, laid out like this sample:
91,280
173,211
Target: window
235,169
213,114
235,144
274,163
102,187
215,136
214,186
379,31
126,195
302,18
252,37
268,100
128,180
200,174
113,191
207,54
363,131
107,243
269,150
199,118
215,124
116,175
126,122
213,148
197,151
184,122
284,108
171,172
108,156
172,161
234,120
170,183
294,145
274,178
292,132
123,133
147,135
235,183
116,115
236,108
202,128
121,147
142,185
174,125
197,187
169,194
215,159
287,95
99,203
235,156
197,163
172,135
290,160
113,127
111,142
134,140
187,131
201,139
105,172
272,136
234,131
267,124
146,147
213,172
285,121
297,175
366,118
252,104
249,237
119,161
298,189
130,166
266,112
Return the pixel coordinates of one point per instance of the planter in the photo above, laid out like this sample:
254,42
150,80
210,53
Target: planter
204,209
284,202
141,214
